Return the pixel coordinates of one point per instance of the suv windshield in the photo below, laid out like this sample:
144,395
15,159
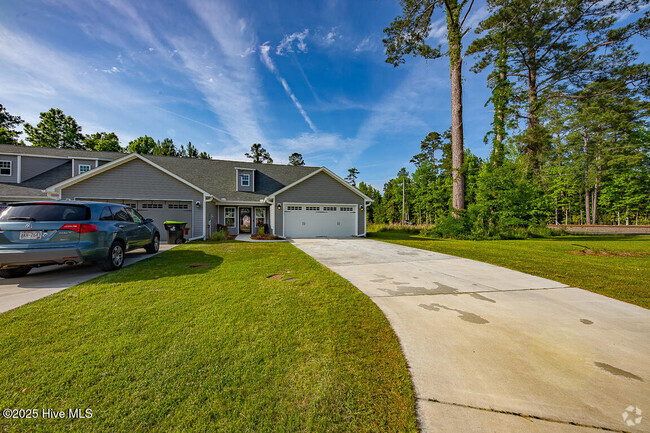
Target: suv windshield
45,212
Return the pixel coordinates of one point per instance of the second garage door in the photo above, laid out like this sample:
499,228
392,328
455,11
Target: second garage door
310,221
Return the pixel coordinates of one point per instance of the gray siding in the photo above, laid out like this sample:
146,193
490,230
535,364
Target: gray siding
320,189
251,180
78,162
137,180
33,166
14,169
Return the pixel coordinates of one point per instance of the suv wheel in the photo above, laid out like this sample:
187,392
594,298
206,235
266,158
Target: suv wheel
154,245
15,272
115,258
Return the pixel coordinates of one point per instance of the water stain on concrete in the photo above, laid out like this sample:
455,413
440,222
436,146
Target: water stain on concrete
407,253
463,315
586,322
617,371
379,280
482,298
409,290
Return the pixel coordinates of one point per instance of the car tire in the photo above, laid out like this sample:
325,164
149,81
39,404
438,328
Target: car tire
154,246
15,272
115,257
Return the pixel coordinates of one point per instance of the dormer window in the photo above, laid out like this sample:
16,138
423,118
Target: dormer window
245,180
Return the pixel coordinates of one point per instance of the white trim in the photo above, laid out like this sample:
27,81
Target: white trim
244,168
19,169
272,216
236,179
84,165
205,218
326,171
11,167
101,169
96,163
240,203
236,226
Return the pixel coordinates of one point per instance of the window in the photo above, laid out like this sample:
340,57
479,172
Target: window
151,206
312,207
347,209
135,216
245,179
329,208
106,214
5,168
294,207
260,216
229,216
177,206
84,168
120,214
45,212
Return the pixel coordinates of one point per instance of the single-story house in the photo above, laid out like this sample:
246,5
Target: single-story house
292,201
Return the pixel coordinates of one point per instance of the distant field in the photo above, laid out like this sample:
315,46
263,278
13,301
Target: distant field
615,266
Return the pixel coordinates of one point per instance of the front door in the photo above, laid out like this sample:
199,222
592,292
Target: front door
244,220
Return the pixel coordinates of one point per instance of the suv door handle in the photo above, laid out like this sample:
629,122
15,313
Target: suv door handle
121,226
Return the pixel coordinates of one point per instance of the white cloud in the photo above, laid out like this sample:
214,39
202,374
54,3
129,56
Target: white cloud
368,44
225,76
268,62
287,43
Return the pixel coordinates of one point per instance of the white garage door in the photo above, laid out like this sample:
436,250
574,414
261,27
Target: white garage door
158,210
310,221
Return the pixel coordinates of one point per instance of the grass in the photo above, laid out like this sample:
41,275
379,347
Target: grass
614,266
165,346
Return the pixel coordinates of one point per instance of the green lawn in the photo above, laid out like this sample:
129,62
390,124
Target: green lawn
162,346
615,266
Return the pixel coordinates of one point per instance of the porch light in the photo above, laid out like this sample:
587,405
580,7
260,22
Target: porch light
198,204
279,207
361,208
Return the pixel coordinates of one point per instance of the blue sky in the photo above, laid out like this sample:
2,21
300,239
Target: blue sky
296,76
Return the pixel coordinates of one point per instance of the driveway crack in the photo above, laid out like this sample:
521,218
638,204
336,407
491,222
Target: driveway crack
522,415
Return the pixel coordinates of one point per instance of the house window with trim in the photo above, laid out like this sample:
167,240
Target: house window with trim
260,216
229,216
245,180
5,168
84,168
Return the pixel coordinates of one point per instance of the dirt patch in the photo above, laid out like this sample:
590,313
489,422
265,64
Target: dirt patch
289,280
275,277
196,265
604,253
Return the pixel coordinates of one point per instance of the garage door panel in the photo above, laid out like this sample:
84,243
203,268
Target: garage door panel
161,211
306,220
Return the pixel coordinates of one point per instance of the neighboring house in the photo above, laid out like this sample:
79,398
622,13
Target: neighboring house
293,201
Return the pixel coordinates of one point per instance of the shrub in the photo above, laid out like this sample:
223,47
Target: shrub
260,230
220,235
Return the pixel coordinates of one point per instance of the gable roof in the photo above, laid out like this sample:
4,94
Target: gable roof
209,176
12,190
58,153
331,174
218,176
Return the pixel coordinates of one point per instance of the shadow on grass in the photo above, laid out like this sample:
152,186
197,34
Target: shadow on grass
173,263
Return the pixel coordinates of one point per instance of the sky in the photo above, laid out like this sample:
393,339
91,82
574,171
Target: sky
296,76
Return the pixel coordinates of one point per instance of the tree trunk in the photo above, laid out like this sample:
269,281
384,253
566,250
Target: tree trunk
594,203
587,211
556,217
455,67
627,216
587,193
618,217
533,118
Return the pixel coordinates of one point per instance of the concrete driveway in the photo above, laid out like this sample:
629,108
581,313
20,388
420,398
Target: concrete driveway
42,282
491,349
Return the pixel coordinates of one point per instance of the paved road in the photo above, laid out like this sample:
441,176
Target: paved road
41,282
491,349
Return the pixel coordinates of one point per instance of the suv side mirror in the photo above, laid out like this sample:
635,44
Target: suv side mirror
148,221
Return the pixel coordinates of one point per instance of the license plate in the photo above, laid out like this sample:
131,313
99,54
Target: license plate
31,235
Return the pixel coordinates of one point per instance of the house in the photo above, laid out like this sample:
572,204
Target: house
292,201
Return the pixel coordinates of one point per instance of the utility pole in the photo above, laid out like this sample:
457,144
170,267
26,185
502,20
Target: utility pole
403,200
